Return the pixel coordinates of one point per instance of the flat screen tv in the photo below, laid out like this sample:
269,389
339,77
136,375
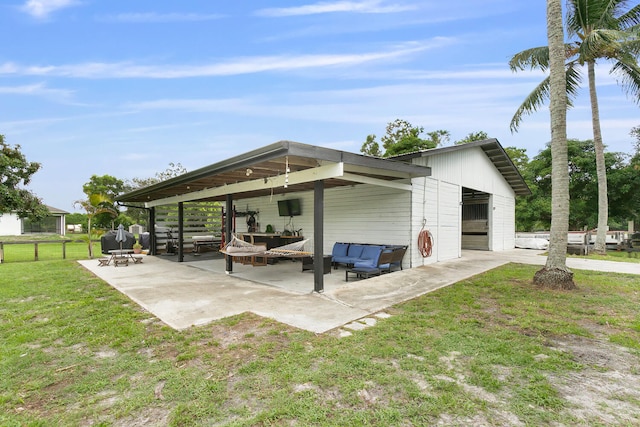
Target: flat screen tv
283,208
294,207
289,207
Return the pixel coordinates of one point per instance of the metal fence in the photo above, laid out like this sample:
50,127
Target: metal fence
42,250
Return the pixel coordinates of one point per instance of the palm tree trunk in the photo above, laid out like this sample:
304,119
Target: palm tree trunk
601,171
555,274
89,242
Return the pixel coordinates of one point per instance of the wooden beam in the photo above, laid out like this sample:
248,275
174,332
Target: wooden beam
308,175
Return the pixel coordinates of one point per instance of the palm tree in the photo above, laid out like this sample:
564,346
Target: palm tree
604,31
555,274
95,204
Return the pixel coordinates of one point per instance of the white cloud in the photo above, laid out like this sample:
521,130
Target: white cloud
239,66
37,89
42,8
153,17
368,6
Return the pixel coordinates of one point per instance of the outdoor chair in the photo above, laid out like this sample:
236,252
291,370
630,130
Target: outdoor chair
397,256
368,263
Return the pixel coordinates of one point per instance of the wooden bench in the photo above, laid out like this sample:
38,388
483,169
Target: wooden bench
137,259
121,260
103,261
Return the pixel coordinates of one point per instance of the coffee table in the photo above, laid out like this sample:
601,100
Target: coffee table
307,264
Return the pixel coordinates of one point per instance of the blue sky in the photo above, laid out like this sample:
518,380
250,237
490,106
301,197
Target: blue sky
126,87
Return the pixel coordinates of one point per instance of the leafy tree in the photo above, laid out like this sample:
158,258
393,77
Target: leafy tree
603,29
555,273
174,170
534,212
402,137
438,137
108,187
519,158
635,132
16,171
138,215
409,144
472,137
371,147
96,204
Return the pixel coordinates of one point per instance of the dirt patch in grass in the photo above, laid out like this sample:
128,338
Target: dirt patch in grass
607,390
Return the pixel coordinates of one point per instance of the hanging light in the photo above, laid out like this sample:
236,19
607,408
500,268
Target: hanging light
286,172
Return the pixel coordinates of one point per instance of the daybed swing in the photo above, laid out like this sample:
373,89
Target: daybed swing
248,253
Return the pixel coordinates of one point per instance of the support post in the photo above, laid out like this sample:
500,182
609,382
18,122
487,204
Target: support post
152,231
318,236
180,232
228,220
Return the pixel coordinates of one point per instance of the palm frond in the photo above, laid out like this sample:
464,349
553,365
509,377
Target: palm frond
531,104
629,72
601,43
574,81
536,57
632,47
631,18
586,14
540,95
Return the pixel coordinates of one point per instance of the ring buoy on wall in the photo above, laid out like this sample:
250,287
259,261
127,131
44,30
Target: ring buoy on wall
425,243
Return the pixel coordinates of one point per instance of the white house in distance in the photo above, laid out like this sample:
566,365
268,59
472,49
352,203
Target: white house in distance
464,195
12,225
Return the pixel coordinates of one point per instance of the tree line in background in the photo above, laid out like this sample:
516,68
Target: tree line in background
101,191
533,212
402,137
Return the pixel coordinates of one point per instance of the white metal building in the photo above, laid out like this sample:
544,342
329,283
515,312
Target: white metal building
464,195
469,199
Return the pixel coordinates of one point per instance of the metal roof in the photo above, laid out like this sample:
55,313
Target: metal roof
56,210
494,152
281,167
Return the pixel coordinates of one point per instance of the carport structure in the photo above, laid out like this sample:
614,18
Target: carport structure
275,169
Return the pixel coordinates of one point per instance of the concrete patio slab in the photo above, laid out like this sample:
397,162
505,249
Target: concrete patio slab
198,292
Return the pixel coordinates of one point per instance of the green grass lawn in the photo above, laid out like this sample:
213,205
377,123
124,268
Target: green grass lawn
491,350
621,256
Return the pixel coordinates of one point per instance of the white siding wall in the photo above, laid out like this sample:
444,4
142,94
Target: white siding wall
355,214
496,221
470,168
449,221
510,224
437,206
425,212
10,225
502,217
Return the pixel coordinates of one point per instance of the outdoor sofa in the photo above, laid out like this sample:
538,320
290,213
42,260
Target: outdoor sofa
367,259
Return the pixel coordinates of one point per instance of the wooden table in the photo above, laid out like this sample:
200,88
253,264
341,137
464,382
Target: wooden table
122,256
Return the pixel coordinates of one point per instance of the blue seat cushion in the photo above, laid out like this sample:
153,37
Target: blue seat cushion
355,251
340,249
369,257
